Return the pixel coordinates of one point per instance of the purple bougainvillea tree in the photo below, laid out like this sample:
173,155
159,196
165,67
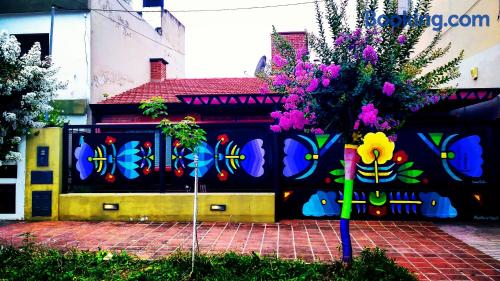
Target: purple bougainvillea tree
368,79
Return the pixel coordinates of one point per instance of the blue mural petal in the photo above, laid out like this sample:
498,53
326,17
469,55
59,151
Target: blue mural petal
468,156
295,158
205,159
254,161
83,164
128,148
321,204
436,206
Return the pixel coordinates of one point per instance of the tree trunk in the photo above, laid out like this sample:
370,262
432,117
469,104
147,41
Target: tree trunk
350,160
195,213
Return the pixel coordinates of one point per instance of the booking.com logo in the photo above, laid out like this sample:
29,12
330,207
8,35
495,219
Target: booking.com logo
437,21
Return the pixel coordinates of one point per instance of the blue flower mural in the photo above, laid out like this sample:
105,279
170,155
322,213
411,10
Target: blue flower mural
321,204
464,154
436,206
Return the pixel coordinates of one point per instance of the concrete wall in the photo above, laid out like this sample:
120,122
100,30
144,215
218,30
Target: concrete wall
71,51
240,207
123,43
51,138
481,45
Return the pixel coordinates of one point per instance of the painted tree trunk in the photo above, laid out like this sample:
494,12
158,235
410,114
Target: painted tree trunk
195,213
350,160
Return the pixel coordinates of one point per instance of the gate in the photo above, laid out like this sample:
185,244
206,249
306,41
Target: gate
442,172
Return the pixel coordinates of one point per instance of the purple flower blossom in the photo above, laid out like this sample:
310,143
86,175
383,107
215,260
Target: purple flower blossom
280,80
370,55
276,114
393,138
388,89
298,119
356,125
275,128
264,89
333,71
402,39
313,85
300,54
285,123
279,61
325,82
340,40
317,131
368,114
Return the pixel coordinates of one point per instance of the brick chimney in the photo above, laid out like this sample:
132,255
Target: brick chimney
158,69
298,40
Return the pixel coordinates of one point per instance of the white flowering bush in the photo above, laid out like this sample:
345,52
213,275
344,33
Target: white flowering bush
27,87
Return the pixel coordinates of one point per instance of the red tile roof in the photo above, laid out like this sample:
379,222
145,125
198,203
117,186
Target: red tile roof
170,88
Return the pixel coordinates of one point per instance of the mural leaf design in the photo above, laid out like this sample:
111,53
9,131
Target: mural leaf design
411,173
408,180
337,172
405,166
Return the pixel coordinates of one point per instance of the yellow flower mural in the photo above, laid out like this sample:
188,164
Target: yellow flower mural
376,147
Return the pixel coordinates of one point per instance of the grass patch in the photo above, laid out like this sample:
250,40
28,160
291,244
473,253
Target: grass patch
35,262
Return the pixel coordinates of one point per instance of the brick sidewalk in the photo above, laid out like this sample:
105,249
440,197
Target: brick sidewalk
422,247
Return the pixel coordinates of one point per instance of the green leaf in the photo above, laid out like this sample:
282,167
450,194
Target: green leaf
339,180
337,172
411,173
405,166
408,180
342,162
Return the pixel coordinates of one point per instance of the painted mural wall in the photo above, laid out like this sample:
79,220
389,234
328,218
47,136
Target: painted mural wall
444,173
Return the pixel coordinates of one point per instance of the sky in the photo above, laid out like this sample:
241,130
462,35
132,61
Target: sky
230,43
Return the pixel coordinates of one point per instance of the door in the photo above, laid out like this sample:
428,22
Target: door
12,184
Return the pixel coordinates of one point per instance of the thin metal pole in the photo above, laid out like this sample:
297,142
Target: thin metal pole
195,211
52,16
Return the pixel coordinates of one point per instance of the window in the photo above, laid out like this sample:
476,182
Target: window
28,40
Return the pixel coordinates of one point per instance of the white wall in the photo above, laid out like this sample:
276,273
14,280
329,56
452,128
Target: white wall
123,43
71,50
481,45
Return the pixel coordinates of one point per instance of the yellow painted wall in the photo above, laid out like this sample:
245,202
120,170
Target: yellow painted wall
51,137
240,207
481,45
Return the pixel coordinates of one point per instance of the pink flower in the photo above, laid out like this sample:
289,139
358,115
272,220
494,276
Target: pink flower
279,62
313,85
275,128
388,89
356,124
300,53
264,89
285,122
333,71
325,82
370,55
293,98
393,138
275,114
340,40
402,39
368,114
298,120
317,131
384,126
280,80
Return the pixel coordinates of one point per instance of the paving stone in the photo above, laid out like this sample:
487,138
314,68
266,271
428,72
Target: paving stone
432,252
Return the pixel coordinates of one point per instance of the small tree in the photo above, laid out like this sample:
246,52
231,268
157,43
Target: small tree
190,136
27,87
369,79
